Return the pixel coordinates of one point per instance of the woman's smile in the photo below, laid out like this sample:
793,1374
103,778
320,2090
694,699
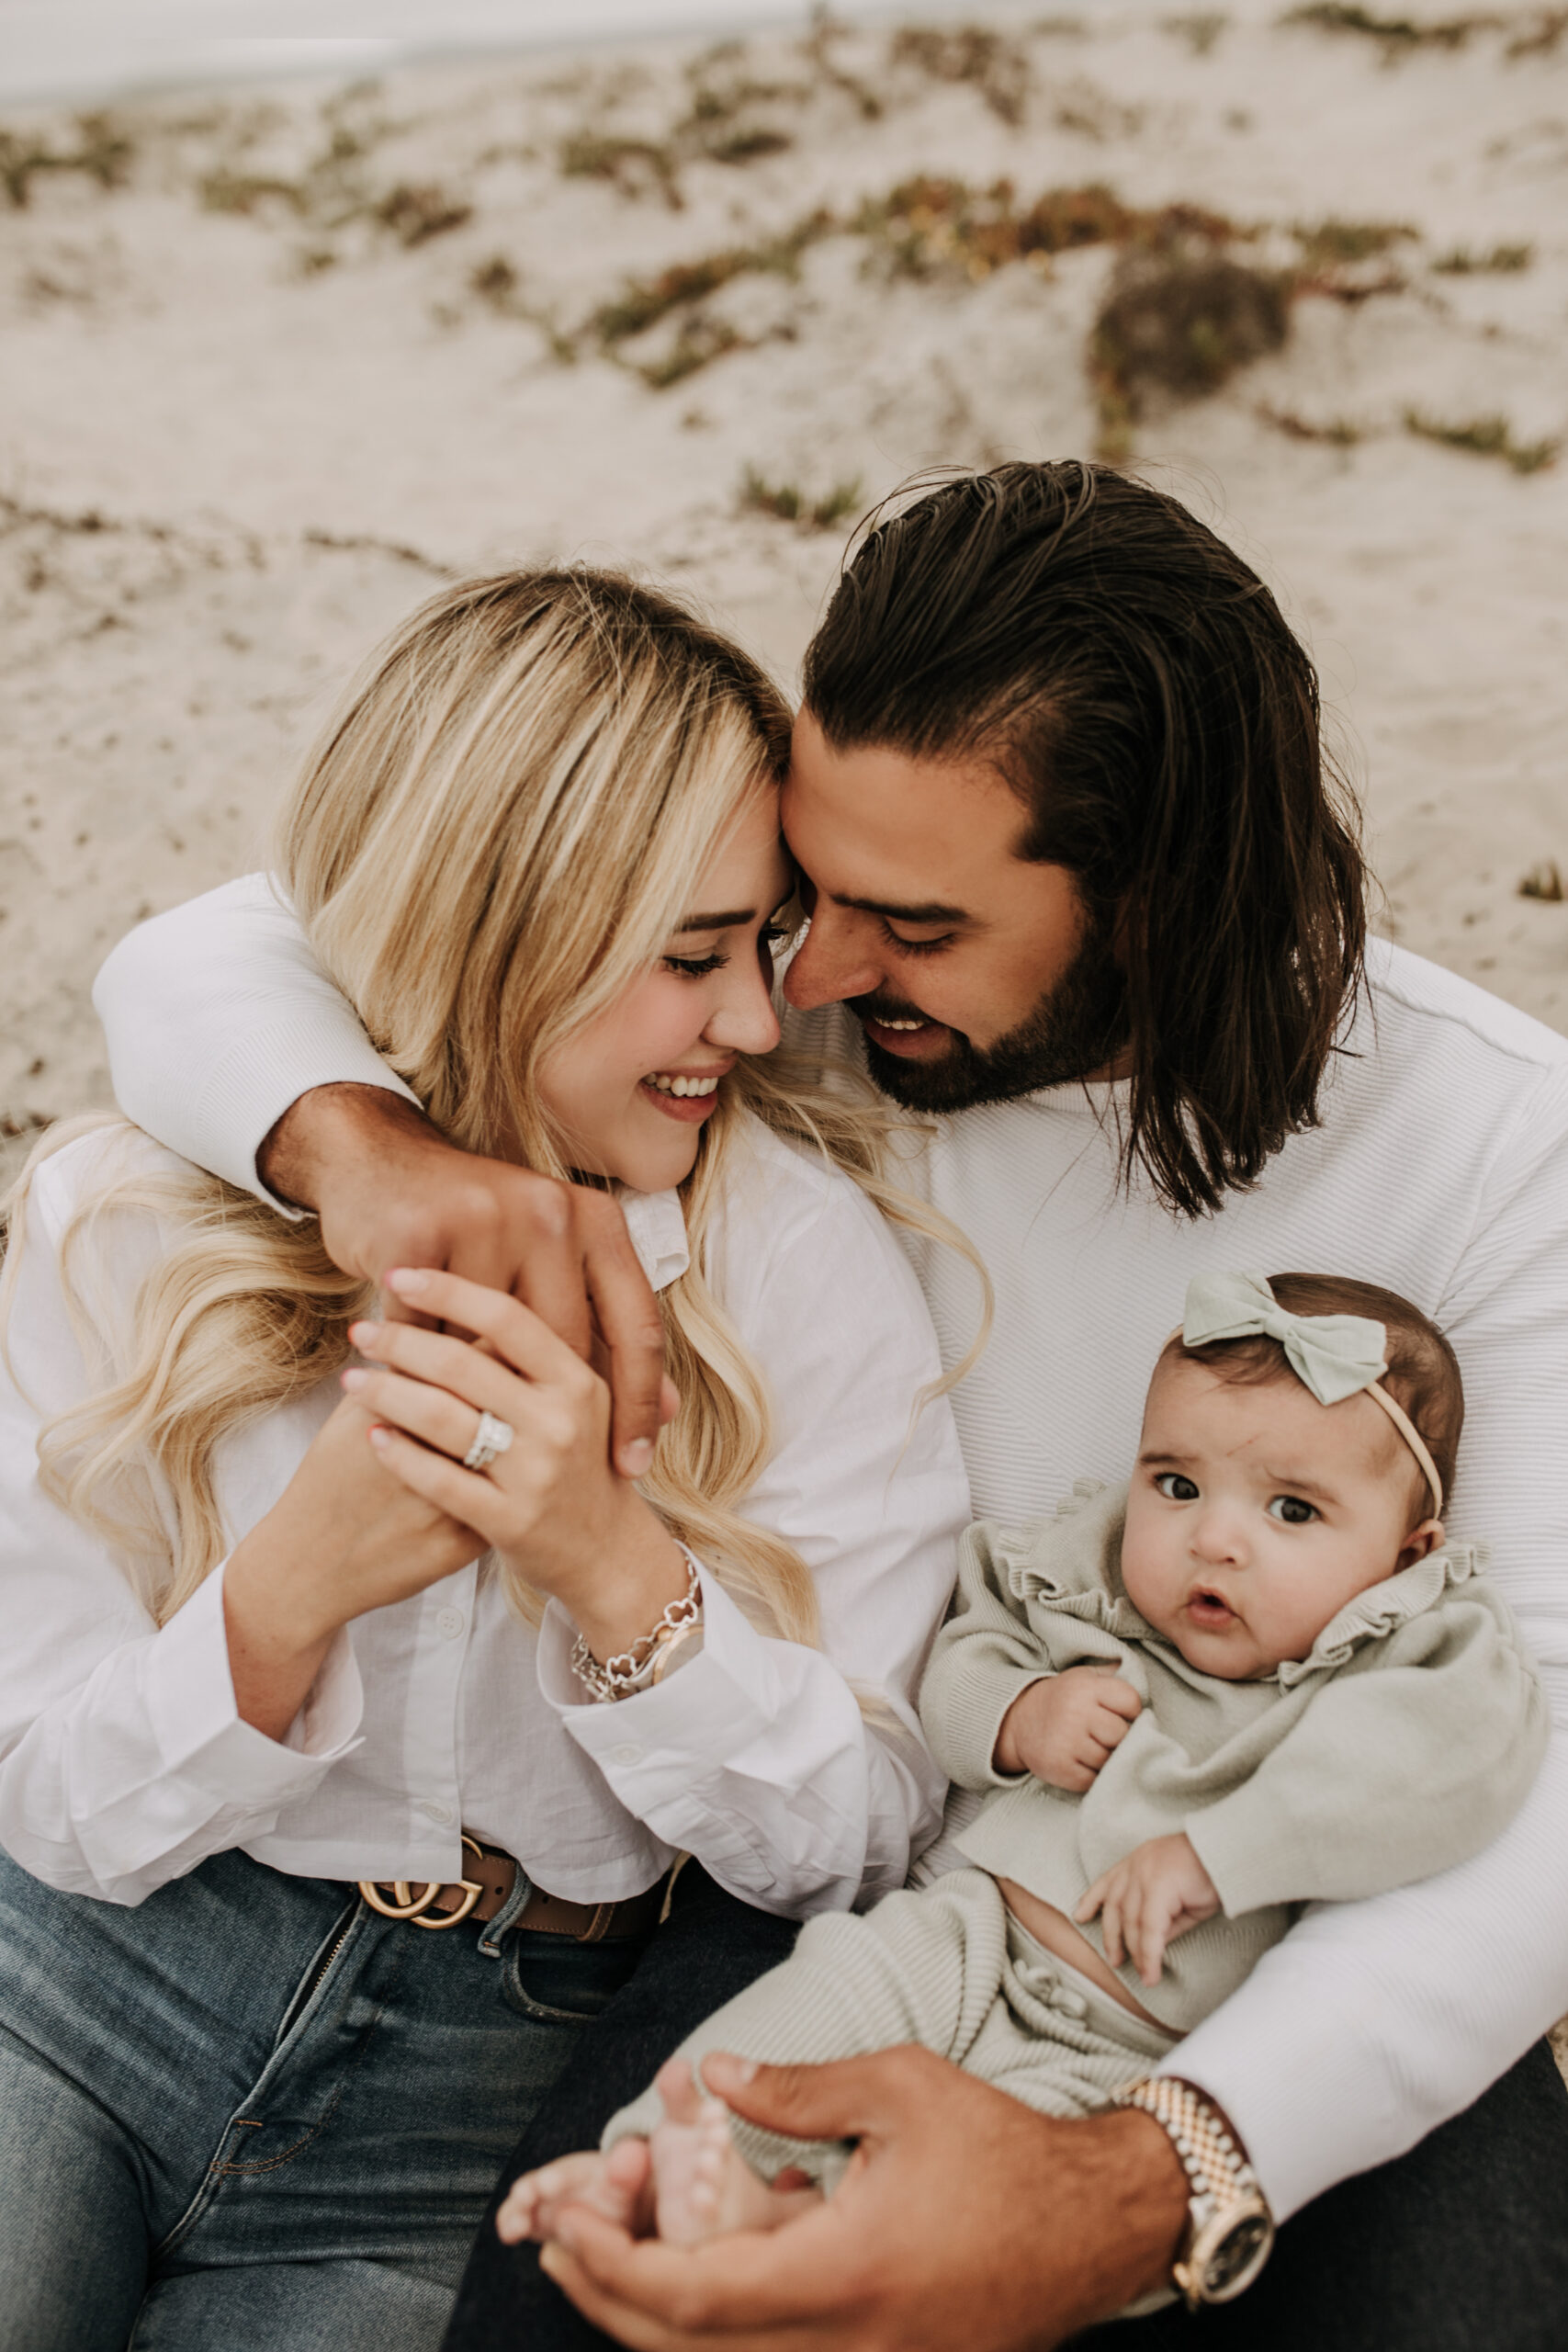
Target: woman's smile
690,1096
672,1036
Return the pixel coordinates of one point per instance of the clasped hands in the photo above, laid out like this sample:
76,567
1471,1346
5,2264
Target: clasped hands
1063,1730
551,1504
381,1506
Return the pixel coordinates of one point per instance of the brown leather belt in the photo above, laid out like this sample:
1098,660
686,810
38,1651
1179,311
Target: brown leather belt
491,1877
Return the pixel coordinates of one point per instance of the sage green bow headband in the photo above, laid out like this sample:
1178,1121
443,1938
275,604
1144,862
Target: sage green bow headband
1335,1356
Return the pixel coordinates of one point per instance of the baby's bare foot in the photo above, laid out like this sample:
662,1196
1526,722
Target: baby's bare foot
618,2185
702,2187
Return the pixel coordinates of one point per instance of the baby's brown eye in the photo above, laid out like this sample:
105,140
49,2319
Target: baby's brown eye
1175,1487
1292,1509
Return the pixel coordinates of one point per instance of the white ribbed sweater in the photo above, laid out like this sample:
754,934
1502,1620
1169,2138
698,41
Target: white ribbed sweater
1441,1171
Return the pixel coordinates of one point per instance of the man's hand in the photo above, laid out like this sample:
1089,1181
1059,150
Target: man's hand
391,1191
964,2219
1062,1729
1150,1896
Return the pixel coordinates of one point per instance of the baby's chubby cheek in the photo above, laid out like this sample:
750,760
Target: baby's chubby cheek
1153,1577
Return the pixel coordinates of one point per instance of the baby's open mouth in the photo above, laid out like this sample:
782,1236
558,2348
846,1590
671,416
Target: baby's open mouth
1209,1609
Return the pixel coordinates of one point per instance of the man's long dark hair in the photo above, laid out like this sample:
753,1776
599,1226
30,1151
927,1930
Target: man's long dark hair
1136,685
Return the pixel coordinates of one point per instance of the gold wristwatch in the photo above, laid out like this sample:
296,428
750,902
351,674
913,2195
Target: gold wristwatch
1230,2231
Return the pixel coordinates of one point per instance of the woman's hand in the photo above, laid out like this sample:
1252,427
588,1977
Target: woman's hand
1149,1897
344,1536
551,1504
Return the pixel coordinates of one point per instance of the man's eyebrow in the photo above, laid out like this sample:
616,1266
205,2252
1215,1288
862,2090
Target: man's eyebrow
726,921
931,910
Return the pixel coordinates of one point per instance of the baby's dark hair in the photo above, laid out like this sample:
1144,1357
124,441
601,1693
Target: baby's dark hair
1423,1372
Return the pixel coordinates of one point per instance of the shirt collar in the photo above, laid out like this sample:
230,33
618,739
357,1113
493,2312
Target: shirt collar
657,1224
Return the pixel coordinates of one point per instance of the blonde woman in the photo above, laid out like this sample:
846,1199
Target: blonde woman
353,1712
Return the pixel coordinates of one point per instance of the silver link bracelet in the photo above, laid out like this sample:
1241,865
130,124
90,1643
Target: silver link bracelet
636,1668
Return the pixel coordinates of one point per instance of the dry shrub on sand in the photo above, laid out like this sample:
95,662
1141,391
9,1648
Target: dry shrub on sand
416,212
1484,436
103,152
926,227
787,503
1174,325
996,67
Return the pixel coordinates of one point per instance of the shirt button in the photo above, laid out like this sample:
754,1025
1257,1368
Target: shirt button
450,1623
433,1812
626,1754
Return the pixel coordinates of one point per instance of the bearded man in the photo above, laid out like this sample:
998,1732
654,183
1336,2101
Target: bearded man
1083,891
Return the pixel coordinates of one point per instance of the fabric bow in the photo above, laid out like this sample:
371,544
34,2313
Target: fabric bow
1335,1355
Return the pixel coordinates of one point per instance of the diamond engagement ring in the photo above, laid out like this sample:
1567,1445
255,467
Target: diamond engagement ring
491,1438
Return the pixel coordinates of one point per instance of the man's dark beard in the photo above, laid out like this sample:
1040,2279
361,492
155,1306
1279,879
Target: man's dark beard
1075,1029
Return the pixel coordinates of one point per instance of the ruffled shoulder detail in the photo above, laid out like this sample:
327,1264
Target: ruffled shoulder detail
1085,1491
1383,1608
1071,1561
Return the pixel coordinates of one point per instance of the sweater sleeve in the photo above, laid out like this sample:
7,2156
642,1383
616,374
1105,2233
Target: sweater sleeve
1410,1759
217,1017
985,1655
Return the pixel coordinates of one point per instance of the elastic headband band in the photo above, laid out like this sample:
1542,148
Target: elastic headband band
1413,1438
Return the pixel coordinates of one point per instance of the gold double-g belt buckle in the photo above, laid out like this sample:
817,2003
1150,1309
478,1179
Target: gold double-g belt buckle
416,1908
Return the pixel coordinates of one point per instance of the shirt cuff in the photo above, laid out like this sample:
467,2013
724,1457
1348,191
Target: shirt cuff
201,1737
969,1731
265,1073
716,1706
1242,1863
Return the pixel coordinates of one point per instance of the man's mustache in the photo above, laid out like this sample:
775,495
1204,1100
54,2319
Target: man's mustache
885,1007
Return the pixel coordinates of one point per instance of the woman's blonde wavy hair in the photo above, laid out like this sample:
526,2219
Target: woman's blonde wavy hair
496,836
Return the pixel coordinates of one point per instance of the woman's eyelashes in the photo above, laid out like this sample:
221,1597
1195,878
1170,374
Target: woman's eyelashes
695,968
770,938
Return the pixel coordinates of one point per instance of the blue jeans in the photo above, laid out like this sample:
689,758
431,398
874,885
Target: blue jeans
252,2114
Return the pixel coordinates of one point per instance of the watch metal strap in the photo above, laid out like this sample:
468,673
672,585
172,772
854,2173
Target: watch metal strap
1221,2181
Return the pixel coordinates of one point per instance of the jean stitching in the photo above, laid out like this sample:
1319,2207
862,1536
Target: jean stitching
219,2171
523,2003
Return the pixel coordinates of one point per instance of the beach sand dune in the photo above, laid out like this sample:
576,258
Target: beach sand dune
280,361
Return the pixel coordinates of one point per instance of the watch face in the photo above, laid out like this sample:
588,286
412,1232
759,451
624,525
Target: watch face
1239,2252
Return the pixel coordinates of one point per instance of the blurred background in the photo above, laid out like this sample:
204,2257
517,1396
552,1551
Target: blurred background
308,308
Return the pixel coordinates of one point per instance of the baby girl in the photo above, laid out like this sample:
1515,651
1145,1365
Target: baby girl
1254,1677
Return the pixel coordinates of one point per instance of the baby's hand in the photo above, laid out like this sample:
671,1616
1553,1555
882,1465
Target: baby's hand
1063,1729
1149,1897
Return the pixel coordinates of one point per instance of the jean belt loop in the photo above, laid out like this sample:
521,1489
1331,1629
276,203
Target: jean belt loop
508,1916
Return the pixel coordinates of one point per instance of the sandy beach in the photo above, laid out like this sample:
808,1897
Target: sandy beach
281,358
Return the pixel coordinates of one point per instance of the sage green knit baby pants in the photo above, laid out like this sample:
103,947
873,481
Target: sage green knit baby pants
948,1967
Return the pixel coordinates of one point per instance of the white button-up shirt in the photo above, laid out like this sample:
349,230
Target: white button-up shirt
124,1763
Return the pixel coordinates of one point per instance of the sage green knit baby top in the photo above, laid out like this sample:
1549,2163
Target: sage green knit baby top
1399,1746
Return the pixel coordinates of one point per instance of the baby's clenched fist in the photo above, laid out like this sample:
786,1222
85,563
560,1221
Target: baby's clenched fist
1063,1728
